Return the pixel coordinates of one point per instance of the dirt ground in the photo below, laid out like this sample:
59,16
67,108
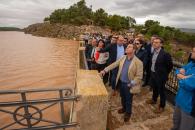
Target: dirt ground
143,115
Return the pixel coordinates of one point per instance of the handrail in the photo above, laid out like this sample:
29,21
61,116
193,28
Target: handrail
40,101
26,105
33,90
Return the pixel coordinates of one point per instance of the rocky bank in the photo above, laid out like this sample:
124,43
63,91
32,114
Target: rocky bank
62,31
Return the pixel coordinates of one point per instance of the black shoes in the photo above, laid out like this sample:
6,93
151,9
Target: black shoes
127,116
121,111
144,85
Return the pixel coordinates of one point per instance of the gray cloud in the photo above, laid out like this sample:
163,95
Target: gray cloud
155,7
178,13
21,13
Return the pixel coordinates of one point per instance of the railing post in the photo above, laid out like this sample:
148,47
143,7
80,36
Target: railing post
62,108
26,110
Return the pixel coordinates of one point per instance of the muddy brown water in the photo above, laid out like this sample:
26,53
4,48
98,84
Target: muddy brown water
29,62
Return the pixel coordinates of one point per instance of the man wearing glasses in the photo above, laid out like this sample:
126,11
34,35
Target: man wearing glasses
141,52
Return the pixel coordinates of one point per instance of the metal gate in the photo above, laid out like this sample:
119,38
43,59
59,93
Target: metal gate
27,114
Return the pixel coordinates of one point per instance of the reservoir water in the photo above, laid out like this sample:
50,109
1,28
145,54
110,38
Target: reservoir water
35,62
29,62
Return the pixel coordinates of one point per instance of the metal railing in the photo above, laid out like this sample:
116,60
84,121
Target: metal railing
27,114
172,83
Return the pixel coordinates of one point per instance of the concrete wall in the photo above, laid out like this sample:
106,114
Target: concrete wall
92,108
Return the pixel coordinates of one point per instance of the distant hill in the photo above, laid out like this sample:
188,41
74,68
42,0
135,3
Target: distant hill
10,29
187,30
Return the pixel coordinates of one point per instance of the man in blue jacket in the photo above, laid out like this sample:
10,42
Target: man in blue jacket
184,114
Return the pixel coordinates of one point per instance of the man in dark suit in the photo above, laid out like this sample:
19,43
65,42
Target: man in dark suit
161,66
149,50
141,52
116,51
89,52
113,40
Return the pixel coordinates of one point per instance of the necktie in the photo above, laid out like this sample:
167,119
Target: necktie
92,53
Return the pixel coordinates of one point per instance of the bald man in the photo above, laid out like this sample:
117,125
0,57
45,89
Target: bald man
116,51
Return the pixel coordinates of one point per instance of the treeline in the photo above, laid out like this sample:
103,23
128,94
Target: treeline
10,29
80,14
169,34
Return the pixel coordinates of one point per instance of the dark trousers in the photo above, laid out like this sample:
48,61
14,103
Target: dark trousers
113,78
110,78
89,64
126,97
86,42
101,67
147,75
93,65
158,86
182,120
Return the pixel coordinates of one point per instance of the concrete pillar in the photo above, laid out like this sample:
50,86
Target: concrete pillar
92,108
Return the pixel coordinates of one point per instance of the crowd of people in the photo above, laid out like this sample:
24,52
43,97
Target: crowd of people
128,63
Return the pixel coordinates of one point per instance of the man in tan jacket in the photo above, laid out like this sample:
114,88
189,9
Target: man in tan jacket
128,79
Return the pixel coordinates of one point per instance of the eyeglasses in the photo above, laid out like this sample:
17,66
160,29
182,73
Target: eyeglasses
136,43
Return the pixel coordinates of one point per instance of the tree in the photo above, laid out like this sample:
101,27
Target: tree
117,22
124,21
80,14
46,19
100,17
150,23
55,17
132,21
154,29
77,14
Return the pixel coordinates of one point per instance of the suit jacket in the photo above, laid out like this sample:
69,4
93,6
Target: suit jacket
135,71
88,51
149,54
142,54
163,65
148,49
112,49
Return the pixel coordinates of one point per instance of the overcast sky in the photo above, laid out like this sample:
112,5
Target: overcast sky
177,13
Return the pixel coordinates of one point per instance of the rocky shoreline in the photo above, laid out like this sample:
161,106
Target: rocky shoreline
62,31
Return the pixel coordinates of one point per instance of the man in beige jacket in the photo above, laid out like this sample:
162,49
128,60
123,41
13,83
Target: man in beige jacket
128,79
